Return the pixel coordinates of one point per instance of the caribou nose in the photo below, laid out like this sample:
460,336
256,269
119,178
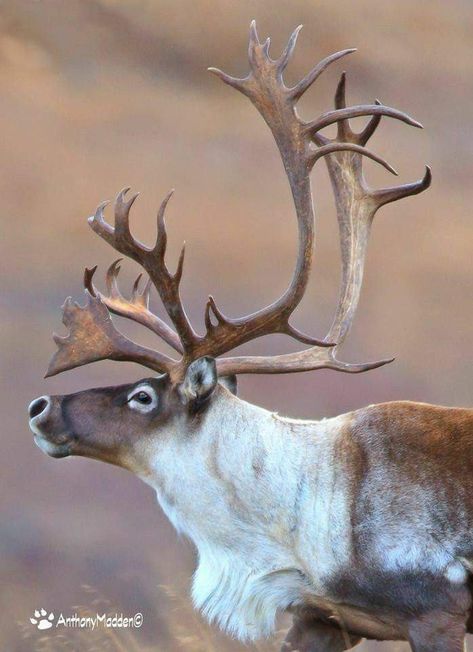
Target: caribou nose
40,406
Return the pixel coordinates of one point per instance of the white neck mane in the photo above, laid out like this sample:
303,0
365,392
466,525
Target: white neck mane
238,486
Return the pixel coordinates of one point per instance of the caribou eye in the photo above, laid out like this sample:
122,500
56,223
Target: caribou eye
143,400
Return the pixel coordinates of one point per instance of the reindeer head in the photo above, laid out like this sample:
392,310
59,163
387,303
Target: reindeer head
120,424
107,423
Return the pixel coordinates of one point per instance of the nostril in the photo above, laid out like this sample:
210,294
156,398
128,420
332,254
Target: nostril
37,406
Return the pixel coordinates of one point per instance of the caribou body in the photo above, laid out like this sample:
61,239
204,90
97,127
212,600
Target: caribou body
360,525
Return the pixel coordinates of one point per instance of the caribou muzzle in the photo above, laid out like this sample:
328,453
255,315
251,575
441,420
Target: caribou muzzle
48,427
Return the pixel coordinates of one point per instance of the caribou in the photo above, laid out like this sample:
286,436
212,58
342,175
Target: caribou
360,526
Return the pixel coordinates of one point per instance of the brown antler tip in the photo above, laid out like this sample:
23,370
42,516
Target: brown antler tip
307,339
254,32
121,195
162,237
120,200
211,305
111,279
98,215
112,272
115,266
180,264
235,82
66,304
288,50
340,101
293,37
136,286
343,53
51,371
88,276
360,368
300,88
379,363
427,180
166,199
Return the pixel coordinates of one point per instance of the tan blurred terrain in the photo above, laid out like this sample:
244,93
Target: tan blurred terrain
99,94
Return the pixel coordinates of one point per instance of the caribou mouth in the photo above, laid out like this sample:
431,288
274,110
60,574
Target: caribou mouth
52,449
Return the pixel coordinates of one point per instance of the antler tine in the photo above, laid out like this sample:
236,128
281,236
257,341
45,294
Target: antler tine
331,148
344,131
308,360
119,236
343,127
366,133
329,118
235,82
122,217
162,236
168,284
288,50
136,295
387,195
297,91
135,309
141,297
254,38
111,279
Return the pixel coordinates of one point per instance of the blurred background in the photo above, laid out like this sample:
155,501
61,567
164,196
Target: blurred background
99,94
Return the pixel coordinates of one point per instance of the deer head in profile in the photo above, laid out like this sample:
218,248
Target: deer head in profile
277,508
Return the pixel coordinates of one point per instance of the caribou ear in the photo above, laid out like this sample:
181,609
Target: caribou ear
230,382
199,382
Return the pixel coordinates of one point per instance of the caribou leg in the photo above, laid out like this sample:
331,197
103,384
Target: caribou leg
438,632
309,634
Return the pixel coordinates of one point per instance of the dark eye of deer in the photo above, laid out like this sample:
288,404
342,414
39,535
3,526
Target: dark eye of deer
143,400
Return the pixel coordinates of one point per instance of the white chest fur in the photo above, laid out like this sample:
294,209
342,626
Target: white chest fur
253,491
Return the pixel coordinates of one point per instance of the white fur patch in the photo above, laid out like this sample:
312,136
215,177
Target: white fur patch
240,600
252,490
456,573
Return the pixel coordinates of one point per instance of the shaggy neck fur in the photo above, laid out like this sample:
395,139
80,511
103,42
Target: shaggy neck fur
239,482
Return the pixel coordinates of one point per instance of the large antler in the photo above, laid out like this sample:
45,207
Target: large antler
301,145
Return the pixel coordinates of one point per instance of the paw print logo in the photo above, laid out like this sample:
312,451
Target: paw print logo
41,619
